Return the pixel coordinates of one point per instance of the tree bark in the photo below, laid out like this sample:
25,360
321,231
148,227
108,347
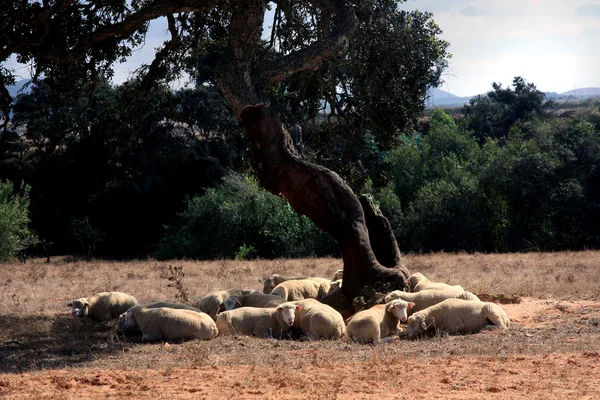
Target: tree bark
325,198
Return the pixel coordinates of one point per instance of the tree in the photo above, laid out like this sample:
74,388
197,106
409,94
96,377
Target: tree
73,41
492,115
14,219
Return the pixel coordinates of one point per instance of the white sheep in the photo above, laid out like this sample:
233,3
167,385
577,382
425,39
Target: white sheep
458,316
250,300
263,322
339,274
128,324
428,298
103,306
275,279
378,322
310,288
211,303
418,282
172,324
317,320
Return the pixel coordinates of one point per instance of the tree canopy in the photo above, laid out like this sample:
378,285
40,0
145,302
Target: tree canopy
370,62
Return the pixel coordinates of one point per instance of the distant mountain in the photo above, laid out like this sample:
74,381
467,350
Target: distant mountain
439,97
13,90
583,93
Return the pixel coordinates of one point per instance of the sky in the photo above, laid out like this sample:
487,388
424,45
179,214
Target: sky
552,43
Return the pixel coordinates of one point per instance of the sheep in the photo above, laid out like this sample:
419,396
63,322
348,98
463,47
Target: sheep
263,322
250,300
418,282
339,275
211,303
458,316
167,304
378,322
172,324
128,324
317,320
334,286
310,288
428,298
103,306
274,280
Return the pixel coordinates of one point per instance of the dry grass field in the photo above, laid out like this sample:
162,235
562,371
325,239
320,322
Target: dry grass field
552,349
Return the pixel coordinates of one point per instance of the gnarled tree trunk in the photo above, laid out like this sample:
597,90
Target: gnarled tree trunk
325,198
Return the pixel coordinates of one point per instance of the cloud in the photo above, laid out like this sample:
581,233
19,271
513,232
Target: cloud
470,11
589,10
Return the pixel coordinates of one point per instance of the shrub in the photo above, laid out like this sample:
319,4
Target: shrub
14,220
240,219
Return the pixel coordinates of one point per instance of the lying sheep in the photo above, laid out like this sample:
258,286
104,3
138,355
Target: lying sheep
334,286
458,316
310,288
317,320
339,275
211,303
428,298
418,282
263,322
103,306
272,281
177,306
172,324
128,324
250,300
378,322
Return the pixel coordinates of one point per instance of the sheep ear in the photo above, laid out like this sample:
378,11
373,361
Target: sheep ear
222,307
298,308
238,302
391,309
411,305
279,308
86,304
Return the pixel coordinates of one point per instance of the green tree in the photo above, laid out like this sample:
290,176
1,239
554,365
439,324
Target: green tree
15,235
75,41
492,115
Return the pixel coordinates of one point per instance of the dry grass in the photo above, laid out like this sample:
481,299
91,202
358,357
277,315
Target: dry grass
38,333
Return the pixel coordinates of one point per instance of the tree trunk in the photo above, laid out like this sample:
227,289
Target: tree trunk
325,198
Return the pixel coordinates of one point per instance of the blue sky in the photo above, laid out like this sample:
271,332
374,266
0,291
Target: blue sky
552,43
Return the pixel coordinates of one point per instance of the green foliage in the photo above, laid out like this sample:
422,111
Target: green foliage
14,220
536,191
492,115
239,219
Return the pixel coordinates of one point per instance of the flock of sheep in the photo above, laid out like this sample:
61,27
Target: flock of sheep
289,303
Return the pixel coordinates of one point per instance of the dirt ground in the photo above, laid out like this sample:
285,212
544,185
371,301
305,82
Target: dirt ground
552,350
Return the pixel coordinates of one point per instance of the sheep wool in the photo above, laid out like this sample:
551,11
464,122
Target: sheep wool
428,298
172,324
455,316
262,322
310,288
378,322
318,320
103,306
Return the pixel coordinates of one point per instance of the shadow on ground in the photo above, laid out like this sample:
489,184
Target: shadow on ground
41,341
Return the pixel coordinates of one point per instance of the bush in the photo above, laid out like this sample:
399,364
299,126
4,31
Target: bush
14,219
240,219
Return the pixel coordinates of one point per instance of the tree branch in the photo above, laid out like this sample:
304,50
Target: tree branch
310,58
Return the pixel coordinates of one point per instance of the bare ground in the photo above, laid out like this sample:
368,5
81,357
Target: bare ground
552,349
